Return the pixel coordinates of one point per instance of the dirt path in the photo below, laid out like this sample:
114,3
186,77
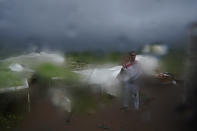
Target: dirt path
157,113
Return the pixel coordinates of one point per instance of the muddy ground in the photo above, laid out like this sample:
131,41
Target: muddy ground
158,112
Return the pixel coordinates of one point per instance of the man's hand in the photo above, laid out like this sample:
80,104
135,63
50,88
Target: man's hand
122,70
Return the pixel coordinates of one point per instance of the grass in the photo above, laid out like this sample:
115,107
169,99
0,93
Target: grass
13,109
47,71
9,79
79,60
11,121
174,62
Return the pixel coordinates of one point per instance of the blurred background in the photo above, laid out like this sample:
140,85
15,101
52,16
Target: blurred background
61,58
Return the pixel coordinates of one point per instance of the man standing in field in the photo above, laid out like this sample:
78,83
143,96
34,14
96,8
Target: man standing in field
129,75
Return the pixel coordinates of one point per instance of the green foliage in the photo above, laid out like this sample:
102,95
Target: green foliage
13,109
9,79
10,121
174,62
80,60
95,58
48,71
4,66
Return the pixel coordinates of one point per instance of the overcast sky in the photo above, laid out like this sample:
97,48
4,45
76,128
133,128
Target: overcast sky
95,24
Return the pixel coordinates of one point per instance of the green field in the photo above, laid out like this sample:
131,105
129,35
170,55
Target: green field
48,71
174,62
9,78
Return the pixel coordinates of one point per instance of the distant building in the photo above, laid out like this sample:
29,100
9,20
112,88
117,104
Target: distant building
156,49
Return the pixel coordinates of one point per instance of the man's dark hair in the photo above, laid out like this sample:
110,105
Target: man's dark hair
132,53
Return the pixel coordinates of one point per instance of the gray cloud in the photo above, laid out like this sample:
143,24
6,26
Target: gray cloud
83,24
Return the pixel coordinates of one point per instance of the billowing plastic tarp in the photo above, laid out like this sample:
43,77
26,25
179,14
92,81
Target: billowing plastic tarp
106,77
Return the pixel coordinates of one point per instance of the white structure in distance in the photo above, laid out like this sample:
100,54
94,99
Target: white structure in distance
157,49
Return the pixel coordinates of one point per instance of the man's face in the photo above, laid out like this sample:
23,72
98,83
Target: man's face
132,57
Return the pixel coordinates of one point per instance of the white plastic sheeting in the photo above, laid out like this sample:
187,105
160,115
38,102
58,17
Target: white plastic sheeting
103,76
16,67
106,77
149,64
37,58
